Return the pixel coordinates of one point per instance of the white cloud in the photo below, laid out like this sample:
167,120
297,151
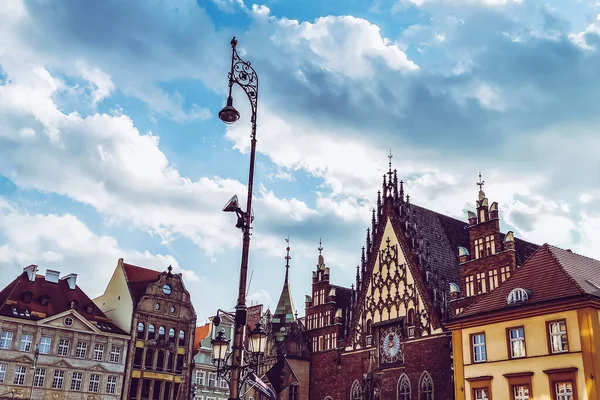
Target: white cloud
580,37
101,82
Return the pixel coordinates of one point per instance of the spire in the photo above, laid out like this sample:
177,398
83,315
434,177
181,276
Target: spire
401,195
357,276
395,185
320,260
285,311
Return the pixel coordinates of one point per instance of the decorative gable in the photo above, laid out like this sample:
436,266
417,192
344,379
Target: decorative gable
98,368
70,320
25,359
62,364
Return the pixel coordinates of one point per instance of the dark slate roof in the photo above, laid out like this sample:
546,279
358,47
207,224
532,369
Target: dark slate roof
13,304
138,279
549,274
343,300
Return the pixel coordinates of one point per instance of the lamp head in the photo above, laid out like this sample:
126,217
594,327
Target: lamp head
229,114
232,205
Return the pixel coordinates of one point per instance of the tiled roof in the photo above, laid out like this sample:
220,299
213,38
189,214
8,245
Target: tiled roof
549,274
201,333
138,279
60,296
285,311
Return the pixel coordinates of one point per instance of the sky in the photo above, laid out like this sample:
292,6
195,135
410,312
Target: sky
110,144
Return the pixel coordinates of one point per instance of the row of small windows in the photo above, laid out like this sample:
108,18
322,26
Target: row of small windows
318,297
158,360
403,389
44,300
58,379
212,380
324,342
556,335
45,347
479,284
318,320
154,389
157,306
161,333
561,387
484,247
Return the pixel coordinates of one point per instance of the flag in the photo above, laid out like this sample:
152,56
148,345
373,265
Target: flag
256,383
281,375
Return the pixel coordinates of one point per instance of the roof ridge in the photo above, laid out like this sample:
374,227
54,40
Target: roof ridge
548,246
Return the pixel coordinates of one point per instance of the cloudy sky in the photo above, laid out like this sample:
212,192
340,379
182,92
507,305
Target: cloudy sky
110,145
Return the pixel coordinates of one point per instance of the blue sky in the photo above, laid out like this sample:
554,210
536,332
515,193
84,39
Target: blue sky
110,146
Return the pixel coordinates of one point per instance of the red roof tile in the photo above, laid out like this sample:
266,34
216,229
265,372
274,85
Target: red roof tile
13,301
138,279
550,274
201,333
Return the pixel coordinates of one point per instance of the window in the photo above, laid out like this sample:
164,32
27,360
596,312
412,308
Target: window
38,379
517,295
161,332
81,350
19,378
157,306
521,392
6,340
469,286
111,384
212,379
115,354
68,321
481,287
151,331
99,352
63,347
490,245
479,353
293,392
516,342
200,378
45,345
2,373
140,329
172,309
403,388
493,279
426,387
171,335
181,338
94,383
76,381
557,336
563,391
504,273
59,379
25,342
223,384
166,289
478,248
356,391
481,394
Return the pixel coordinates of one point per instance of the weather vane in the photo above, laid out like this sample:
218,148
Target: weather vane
480,183
320,248
390,157
287,256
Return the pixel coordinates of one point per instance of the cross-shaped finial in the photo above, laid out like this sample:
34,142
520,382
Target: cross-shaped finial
390,157
480,183
287,256
320,248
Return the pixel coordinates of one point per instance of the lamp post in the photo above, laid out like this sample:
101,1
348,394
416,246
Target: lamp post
245,76
36,356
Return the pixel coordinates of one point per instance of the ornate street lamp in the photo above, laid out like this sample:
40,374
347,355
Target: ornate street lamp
36,356
245,76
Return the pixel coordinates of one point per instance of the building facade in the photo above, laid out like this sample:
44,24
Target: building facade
81,353
386,338
155,309
537,336
206,384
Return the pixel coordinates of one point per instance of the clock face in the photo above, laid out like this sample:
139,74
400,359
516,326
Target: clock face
390,348
166,289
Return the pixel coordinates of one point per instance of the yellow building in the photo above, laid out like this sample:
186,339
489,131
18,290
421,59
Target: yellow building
537,336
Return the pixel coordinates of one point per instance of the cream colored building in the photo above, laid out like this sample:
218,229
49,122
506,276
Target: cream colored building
81,352
155,309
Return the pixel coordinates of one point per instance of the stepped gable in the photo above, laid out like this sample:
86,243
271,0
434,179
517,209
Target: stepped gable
550,274
138,279
33,297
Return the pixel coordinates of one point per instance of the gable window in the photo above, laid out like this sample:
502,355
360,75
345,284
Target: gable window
481,287
94,383
469,286
98,352
426,387
490,245
19,378
516,342
25,342
6,340
59,379
45,345
493,279
63,347
478,248
504,273
40,375
76,381
115,354
111,384
478,349
517,295
81,350
557,336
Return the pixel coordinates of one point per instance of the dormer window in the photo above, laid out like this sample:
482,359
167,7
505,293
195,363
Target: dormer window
518,295
27,296
44,300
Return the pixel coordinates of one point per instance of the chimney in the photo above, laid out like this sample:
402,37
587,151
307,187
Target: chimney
52,276
31,270
463,254
71,280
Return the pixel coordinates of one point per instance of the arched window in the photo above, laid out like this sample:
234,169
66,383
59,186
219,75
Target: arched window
157,306
171,335
161,332
411,317
403,388
517,295
425,387
356,391
181,337
150,331
376,392
141,328
369,327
